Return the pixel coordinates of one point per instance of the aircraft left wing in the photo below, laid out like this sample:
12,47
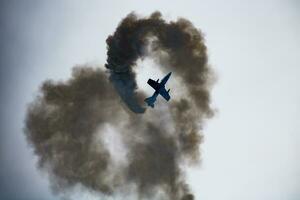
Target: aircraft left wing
153,84
165,94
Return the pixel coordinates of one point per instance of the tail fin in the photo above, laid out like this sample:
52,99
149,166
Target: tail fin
150,101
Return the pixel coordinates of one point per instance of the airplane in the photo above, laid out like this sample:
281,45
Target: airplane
159,89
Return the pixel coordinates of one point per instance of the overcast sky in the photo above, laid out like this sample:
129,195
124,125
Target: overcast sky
252,146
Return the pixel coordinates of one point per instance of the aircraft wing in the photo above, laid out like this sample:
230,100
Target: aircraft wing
165,94
153,84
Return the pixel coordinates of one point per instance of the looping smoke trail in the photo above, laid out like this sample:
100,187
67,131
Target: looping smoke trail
69,122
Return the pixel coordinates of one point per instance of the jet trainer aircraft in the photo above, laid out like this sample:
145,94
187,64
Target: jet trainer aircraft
159,89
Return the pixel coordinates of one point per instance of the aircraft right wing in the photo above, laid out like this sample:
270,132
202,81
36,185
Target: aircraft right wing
165,94
153,84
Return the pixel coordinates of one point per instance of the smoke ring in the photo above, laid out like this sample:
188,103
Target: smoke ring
68,124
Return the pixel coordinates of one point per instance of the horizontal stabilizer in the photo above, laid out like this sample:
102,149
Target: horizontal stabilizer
150,101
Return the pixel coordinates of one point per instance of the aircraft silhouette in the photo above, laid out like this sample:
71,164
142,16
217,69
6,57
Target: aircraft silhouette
159,89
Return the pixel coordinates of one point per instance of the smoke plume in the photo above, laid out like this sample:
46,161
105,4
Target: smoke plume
69,122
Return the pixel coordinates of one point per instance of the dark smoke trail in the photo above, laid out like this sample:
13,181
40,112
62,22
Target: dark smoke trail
69,122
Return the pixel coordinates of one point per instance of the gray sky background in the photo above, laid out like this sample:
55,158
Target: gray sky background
252,145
